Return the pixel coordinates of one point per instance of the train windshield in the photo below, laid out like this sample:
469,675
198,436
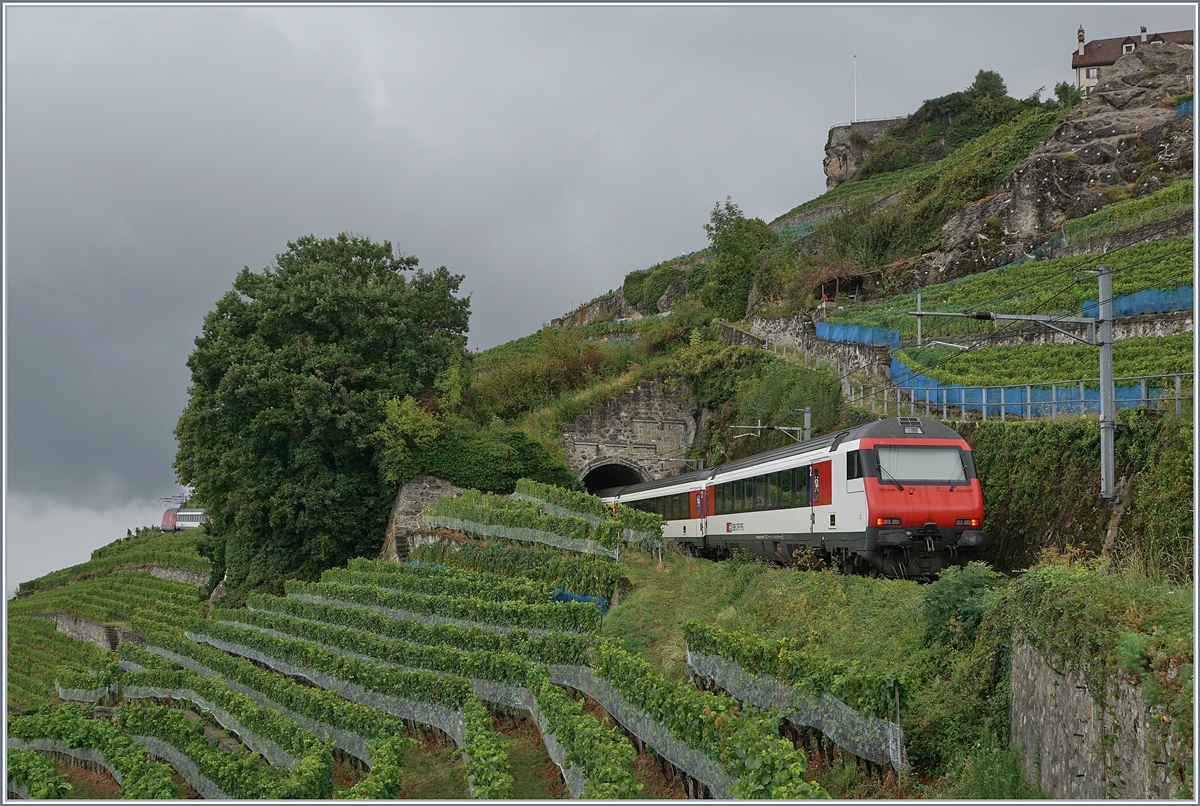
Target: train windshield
912,463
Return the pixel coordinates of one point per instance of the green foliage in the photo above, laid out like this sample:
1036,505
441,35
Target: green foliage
955,602
407,433
744,384
603,754
289,378
491,510
503,667
486,761
116,599
633,286
577,617
239,775
1068,95
37,655
942,125
1172,200
439,581
555,647
1047,363
1045,286
744,740
567,499
322,706
36,773
179,550
736,242
577,573
493,460
144,780
1163,514
869,691
1097,622
517,348
655,285
385,780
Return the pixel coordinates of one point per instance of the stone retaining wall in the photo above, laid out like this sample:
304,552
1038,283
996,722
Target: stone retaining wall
1078,748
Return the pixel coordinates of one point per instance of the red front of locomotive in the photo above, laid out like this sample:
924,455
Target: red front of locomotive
923,501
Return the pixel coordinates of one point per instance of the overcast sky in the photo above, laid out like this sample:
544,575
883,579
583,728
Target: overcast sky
544,152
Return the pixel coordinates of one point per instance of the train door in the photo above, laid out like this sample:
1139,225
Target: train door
821,496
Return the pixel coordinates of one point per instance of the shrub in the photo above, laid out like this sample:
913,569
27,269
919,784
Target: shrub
955,603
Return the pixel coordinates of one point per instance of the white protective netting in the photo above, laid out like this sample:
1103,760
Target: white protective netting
700,766
507,694
449,721
19,790
427,619
555,509
55,746
866,736
644,539
83,694
347,741
521,534
183,765
269,750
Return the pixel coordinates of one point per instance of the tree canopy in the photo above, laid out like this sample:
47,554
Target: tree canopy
291,376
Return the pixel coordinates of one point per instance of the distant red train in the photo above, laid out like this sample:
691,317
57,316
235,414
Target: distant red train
897,497
180,518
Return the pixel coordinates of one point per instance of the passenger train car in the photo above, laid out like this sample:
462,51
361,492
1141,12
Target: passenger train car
896,497
178,519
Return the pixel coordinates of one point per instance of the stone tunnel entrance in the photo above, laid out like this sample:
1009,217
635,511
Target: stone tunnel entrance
634,437
612,475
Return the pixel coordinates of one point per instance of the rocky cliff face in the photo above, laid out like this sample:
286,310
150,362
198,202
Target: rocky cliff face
848,146
1121,141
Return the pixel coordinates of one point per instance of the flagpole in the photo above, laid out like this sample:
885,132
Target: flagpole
855,88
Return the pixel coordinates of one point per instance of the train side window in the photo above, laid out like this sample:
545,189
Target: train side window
737,496
773,490
802,486
760,499
719,499
854,469
785,488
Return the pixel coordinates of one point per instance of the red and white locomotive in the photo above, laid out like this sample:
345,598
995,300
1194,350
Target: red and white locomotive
897,497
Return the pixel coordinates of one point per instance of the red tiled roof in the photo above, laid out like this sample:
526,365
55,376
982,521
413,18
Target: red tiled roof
1103,52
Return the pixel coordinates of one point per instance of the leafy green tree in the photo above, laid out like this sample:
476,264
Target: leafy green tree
736,242
1068,94
290,377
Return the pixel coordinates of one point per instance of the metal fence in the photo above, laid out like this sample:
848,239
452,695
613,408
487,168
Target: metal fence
1069,398
1074,398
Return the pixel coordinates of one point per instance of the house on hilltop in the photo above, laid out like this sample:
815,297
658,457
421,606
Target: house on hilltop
1090,58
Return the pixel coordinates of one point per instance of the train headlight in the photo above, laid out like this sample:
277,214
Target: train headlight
887,521
967,522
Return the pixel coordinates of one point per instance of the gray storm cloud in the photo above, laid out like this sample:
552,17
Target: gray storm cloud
541,152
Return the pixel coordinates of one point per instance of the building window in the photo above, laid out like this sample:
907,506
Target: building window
1093,72
1127,49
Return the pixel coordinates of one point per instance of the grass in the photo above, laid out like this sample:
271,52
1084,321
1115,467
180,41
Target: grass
535,775
835,616
1056,286
434,771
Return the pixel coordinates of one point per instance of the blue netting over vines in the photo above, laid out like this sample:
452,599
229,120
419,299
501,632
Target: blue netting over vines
857,334
1042,400
1184,108
1149,301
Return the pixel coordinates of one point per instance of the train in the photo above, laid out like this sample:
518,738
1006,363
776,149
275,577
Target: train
897,498
177,519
